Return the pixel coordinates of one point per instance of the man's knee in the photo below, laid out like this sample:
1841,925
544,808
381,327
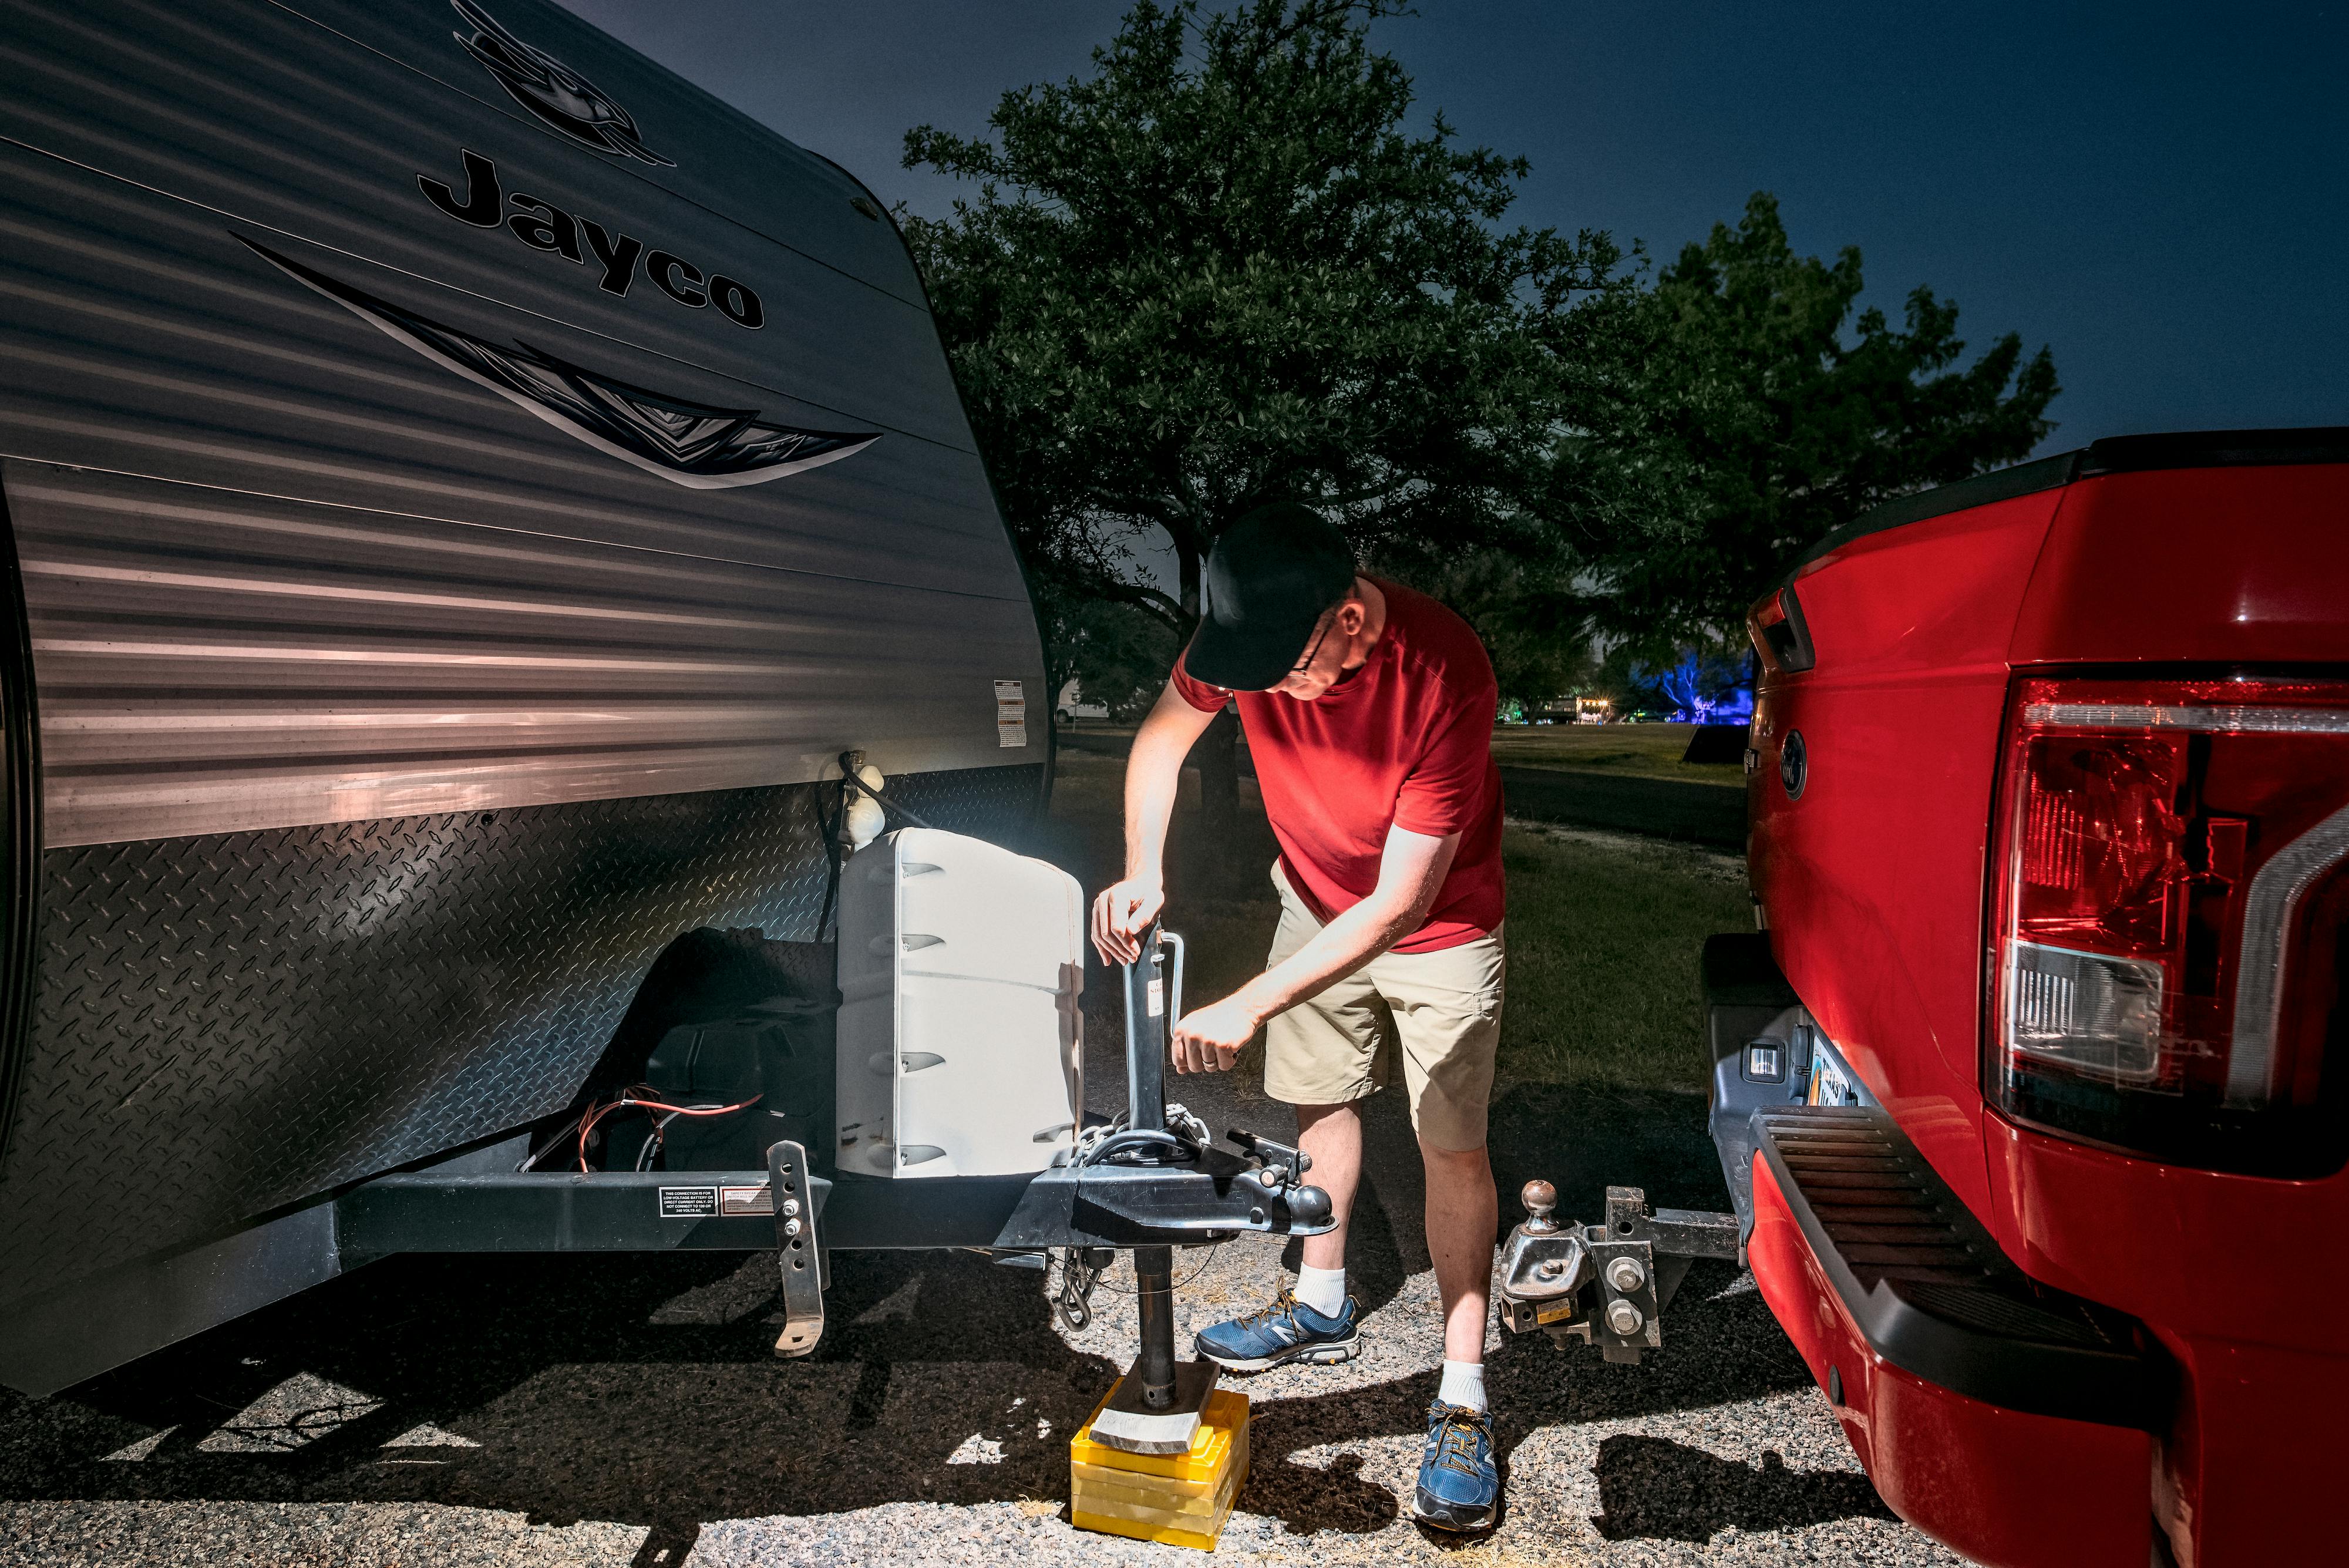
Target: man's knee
1458,1164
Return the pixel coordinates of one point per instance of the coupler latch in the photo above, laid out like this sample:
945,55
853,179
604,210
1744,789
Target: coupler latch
1605,1284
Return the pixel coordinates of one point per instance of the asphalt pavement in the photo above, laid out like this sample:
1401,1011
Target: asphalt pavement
628,1412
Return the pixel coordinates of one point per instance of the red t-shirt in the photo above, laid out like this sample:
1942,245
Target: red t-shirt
1406,742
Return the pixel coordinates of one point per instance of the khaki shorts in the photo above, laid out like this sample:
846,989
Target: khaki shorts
1440,1012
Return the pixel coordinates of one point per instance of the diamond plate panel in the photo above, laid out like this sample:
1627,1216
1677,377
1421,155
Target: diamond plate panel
227,1024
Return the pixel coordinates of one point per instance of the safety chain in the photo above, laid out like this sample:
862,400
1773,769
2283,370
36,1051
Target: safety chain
1179,1121
1078,1278
1074,1301
1182,1122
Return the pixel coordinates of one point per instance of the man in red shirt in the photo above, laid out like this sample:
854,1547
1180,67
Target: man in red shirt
1369,710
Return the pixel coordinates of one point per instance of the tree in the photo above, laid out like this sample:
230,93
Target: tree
1697,688
1223,269
1118,654
1757,425
1524,607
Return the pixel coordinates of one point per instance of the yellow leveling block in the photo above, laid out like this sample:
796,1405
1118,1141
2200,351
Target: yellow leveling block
1181,1500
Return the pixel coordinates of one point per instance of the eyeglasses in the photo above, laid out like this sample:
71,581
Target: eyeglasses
1320,637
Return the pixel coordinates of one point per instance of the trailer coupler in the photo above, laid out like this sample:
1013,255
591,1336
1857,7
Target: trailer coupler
1605,1284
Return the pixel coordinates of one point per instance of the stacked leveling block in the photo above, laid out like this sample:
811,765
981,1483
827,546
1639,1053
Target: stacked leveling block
1165,1449
1180,1499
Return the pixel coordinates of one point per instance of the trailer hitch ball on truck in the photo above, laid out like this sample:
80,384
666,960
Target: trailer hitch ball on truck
1605,1284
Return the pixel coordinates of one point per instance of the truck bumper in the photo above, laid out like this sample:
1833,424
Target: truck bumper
2009,1421
2004,1488
2243,1279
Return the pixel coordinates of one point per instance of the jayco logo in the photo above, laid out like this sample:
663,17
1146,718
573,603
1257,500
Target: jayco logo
544,226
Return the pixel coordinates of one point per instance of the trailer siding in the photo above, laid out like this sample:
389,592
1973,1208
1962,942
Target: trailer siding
219,650
452,551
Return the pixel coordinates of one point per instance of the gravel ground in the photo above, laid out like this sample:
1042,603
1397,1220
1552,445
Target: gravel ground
627,1412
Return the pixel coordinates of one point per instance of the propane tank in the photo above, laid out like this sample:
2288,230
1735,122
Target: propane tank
864,820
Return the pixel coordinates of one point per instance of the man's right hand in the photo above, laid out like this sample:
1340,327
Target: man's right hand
1122,913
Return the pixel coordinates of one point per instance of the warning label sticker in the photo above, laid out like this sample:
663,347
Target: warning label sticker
1011,713
688,1202
1157,996
734,1200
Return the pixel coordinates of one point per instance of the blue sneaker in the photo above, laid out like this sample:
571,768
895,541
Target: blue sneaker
1286,1331
1458,1486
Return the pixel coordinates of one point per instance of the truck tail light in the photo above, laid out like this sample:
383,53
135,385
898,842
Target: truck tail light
1780,633
2169,921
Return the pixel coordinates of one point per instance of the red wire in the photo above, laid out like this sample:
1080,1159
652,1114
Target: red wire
588,1123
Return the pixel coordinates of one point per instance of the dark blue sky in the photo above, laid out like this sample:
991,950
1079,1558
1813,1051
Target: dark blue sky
2158,192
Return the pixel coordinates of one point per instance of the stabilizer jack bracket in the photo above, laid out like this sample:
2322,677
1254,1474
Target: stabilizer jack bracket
796,1249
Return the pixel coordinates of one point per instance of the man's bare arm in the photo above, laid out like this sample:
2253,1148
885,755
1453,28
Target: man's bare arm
1411,871
1153,773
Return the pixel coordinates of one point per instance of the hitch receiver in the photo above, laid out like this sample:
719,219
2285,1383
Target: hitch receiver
1605,1284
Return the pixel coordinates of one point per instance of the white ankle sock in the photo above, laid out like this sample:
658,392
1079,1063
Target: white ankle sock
1323,1290
1463,1384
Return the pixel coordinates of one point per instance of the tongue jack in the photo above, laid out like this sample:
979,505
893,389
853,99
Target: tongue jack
1155,1407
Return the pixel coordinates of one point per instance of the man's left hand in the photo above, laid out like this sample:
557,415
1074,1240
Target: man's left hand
1207,1039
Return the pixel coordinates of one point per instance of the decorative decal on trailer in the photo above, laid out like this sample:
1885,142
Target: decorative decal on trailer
687,443
563,100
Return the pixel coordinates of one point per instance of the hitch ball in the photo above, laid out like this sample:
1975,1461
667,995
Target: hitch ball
1307,1206
1626,1275
1540,1198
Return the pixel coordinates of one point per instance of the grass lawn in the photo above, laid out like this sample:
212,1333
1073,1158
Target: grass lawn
1647,750
1604,932
1642,751
1603,929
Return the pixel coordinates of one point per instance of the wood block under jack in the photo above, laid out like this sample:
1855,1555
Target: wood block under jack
1181,1499
1125,1420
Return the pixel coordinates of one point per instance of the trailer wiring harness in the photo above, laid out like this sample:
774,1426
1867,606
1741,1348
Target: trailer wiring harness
640,1097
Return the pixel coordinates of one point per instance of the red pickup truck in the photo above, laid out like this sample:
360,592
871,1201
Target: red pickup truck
2033,1091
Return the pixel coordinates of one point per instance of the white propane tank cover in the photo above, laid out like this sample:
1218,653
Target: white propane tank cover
864,817
961,1045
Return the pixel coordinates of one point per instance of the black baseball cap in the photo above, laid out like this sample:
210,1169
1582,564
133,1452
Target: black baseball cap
1269,577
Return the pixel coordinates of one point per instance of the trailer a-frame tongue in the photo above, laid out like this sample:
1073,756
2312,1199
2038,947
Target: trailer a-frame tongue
1147,1182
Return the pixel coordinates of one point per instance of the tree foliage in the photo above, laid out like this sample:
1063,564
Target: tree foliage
1233,262
1524,606
1118,653
1762,417
1223,268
